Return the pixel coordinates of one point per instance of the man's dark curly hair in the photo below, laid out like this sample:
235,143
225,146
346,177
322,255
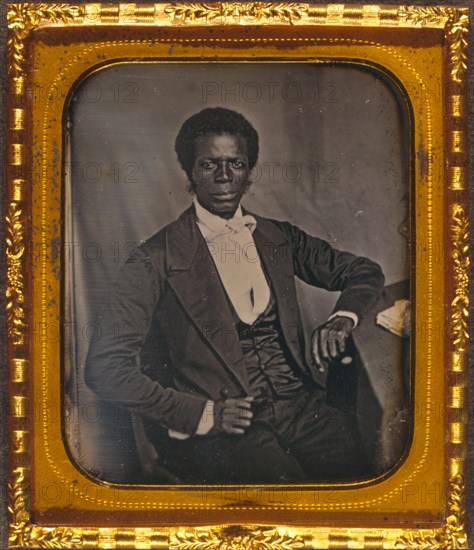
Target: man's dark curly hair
216,120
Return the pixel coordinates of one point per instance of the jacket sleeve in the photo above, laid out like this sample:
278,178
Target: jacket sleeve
112,366
316,262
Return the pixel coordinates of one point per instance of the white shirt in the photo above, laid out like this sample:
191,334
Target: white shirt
235,256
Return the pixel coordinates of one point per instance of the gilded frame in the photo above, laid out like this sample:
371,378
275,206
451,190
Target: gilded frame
436,523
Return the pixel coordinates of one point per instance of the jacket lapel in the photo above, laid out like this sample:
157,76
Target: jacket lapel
277,258
196,283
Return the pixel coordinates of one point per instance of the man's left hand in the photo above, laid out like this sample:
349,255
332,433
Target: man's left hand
329,340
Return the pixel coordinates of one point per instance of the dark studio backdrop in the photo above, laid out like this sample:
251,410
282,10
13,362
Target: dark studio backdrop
334,160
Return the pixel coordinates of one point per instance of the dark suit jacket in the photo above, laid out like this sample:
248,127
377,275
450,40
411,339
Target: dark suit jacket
168,339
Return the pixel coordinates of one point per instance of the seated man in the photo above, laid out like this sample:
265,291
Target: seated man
212,356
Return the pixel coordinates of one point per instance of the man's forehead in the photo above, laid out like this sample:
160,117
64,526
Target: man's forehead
221,144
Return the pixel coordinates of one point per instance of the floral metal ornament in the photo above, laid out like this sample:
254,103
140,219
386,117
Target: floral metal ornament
23,532
23,18
456,22
235,539
15,297
240,12
462,262
453,535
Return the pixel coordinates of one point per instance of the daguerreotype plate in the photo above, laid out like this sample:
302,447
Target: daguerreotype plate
238,260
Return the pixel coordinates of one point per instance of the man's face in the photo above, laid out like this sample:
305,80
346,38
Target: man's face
220,173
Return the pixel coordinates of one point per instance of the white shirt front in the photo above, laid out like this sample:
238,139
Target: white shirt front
233,250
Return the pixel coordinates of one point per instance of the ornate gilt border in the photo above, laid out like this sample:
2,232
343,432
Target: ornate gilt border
22,20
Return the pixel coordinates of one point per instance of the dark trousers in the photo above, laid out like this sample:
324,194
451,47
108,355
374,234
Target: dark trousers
289,440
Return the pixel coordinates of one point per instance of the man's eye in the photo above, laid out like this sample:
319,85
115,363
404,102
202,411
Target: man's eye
208,165
238,164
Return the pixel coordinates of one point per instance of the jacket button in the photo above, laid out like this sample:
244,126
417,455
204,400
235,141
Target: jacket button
224,392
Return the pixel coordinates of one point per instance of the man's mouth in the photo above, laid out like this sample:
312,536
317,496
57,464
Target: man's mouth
225,196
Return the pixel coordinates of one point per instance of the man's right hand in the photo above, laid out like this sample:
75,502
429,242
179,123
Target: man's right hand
232,415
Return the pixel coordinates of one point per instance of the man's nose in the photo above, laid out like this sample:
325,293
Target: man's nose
224,172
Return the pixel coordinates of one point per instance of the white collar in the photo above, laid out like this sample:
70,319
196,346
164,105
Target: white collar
213,222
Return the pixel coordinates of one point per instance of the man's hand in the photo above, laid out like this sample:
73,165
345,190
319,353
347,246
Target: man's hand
329,340
232,415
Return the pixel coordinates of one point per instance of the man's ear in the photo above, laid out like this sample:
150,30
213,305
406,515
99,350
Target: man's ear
190,188
254,175
189,185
